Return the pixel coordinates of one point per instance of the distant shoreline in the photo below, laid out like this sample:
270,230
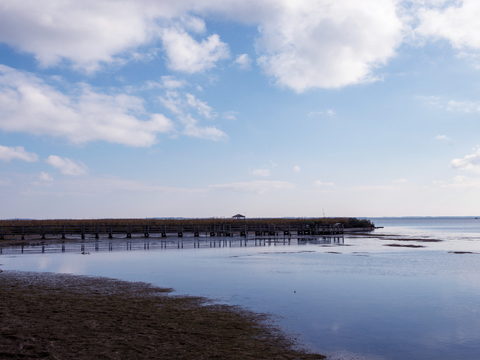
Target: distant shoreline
347,222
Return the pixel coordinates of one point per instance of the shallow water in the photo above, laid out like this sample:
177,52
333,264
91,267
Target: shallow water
350,297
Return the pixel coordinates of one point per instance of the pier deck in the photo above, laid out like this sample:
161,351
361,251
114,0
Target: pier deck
233,229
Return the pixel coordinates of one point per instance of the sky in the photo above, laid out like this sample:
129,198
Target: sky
268,108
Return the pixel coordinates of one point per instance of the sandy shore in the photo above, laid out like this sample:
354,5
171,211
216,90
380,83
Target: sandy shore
58,316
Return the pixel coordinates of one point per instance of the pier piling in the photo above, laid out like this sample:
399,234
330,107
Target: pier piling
146,230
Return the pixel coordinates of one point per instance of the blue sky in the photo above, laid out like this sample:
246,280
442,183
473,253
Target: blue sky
270,108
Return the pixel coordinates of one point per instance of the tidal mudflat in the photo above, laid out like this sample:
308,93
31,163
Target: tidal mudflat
58,316
352,298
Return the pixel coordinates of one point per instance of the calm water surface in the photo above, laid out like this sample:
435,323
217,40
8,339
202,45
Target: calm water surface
351,297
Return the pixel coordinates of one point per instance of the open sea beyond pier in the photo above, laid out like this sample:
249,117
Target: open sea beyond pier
409,290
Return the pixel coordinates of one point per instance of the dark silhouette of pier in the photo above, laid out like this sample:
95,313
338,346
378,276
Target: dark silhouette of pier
127,231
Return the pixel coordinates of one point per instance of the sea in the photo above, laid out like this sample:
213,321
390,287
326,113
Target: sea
410,289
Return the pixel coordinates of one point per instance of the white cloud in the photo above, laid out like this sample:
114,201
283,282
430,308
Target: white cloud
328,44
191,23
320,183
230,115
187,55
166,82
400,181
473,58
66,166
112,184
265,170
30,105
201,107
457,22
374,187
205,132
171,82
179,105
303,44
88,186
445,139
254,186
468,163
296,168
329,112
431,100
172,101
261,172
45,176
85,33
467,107
460,182
463,106
16,153
243,61
96,32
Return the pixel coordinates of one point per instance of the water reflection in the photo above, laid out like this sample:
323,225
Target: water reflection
131,244
324,240
362,298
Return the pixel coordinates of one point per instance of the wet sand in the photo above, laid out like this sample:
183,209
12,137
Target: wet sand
59,316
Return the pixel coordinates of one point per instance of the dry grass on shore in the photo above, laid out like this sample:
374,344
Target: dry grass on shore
56,316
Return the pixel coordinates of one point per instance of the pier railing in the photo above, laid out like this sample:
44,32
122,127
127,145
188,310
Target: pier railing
234,229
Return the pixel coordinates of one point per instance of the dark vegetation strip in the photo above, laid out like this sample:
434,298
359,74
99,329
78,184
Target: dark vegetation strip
57,316
410,239
347,222
409,245
462,252
394,237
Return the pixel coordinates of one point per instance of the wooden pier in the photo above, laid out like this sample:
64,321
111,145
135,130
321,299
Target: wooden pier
127,231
